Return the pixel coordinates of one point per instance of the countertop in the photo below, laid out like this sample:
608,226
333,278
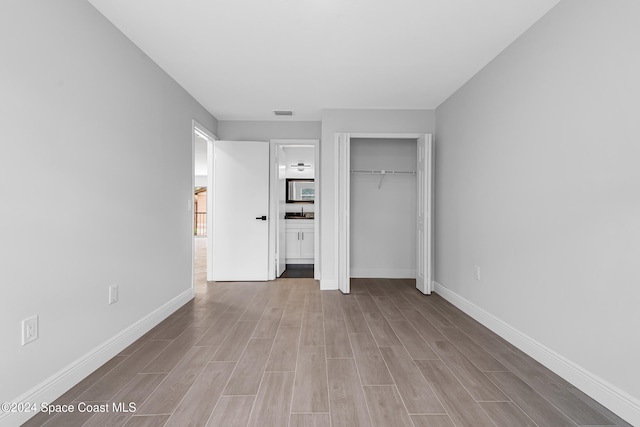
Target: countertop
297,215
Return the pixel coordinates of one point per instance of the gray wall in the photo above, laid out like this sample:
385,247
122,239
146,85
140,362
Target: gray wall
247,130
79,99
355,121
537,182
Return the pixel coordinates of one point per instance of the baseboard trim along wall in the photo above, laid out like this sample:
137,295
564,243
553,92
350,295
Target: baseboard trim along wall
616,400
328,285
56,385
367,273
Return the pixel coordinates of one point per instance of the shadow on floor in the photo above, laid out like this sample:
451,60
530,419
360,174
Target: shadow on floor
298,271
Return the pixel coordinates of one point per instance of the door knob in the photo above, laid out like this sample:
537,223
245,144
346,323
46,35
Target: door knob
263,217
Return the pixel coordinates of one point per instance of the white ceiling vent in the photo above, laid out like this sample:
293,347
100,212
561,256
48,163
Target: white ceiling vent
283,112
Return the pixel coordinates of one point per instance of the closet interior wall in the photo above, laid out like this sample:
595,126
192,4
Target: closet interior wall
383,208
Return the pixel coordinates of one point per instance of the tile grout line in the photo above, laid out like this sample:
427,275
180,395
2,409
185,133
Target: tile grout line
326,359
514,403
358,371
187,391
395,385
232,372
263,371
416,366
295,371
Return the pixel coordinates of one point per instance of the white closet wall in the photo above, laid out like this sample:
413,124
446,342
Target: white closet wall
383,220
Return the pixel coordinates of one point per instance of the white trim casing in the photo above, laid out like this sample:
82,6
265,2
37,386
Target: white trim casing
363,273
328,285
211,204
273,208
211,138
343,211
317,209
424,229
58,384
616,400
382,135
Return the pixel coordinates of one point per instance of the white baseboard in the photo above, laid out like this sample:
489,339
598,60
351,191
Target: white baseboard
328,285
387,273
56,385
299,261
615,399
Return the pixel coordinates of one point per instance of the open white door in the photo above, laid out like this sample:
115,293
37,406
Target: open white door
281,183
424,216
240,208
343,191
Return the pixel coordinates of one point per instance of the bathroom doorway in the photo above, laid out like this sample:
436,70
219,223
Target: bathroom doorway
294,248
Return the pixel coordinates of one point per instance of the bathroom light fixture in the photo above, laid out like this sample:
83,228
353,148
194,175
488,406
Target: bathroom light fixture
300,166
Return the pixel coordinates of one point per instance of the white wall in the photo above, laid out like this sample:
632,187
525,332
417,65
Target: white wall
249,130
538,184
79,99
383,220
356,121
307,156
296,155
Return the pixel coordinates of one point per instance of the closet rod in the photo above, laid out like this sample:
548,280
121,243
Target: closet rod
382,172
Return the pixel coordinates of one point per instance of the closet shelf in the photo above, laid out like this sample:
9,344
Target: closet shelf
383,173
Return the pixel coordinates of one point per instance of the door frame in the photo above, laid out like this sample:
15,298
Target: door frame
342,150
211,138
273,202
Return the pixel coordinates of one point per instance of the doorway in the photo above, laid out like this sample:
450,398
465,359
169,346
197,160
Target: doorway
294,246
235,184
388,169
202,143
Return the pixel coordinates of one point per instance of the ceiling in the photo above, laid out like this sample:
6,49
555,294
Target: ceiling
243,59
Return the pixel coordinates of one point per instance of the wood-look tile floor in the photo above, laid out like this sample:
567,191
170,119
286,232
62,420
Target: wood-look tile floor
284,353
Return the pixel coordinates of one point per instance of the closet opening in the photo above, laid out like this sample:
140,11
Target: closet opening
383,208
384,204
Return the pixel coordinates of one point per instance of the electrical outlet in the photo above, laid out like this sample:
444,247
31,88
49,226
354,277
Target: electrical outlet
113,294
29,329
476,272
